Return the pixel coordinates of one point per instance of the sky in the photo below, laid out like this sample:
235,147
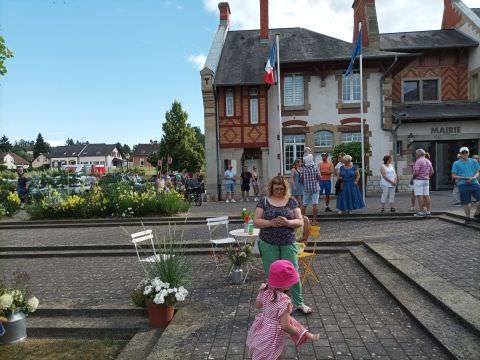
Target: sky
106,71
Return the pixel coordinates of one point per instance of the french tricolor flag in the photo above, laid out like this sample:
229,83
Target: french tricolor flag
269,76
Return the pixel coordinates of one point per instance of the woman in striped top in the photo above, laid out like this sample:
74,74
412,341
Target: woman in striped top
265,340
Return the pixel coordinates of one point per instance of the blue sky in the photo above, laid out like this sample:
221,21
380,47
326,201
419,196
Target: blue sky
100,70
108,70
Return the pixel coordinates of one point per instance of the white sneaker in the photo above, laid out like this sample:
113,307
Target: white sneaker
420,214
256,198
227,201
247,200
233,200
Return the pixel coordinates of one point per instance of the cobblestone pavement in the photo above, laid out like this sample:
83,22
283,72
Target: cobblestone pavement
450,251
353,314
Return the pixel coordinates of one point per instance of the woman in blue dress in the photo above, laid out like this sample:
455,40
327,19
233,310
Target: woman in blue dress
349,197
296,186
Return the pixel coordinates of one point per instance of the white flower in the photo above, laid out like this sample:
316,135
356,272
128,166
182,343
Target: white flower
157,284
32,304
6,300
159,298
147,290
181,294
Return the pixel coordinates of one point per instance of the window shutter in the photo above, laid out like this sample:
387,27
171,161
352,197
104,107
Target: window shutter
298,90
288,90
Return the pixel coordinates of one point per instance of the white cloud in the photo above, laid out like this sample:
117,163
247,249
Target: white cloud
335,17
174,4
56,142
197,60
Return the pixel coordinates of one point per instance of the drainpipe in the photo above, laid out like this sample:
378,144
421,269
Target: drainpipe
217,125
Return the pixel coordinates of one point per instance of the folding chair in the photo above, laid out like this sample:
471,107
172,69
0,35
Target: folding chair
305,258
143,254
217,239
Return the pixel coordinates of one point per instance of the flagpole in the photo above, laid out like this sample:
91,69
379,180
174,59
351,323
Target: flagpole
277,41
362,134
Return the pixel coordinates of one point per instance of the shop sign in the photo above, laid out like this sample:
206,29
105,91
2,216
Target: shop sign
446,130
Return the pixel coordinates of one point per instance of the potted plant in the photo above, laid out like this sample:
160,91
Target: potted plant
164,282
239,254
15,303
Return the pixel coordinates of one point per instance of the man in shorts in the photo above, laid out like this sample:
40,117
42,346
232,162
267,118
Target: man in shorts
466,172
422,171
246,177
310,177
229,177
326,170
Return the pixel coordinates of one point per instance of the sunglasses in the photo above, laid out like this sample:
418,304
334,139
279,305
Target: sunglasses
464,152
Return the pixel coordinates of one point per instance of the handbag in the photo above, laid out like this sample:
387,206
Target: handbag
338,186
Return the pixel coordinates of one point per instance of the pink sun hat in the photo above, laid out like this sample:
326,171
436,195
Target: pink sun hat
282,274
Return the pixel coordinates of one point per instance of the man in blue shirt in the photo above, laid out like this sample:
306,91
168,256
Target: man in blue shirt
466,171
229,177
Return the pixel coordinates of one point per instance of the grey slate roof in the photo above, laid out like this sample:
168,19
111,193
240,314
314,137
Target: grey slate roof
443,111
425,40
146,149
66,151
244,55
476,11
98,149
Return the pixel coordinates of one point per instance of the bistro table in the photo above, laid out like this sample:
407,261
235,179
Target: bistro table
241,234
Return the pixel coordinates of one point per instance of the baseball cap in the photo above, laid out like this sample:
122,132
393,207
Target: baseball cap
464,148
324,154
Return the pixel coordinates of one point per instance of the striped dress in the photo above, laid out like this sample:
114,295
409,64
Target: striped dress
265,340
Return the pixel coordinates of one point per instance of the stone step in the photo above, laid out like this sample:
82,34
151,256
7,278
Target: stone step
461,341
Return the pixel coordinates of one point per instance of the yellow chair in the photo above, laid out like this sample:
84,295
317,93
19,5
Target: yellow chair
305,258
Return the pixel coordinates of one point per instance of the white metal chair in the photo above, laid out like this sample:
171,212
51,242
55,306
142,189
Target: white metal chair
146,254
217,237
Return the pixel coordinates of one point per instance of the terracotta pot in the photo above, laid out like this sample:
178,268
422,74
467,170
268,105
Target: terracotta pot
159,315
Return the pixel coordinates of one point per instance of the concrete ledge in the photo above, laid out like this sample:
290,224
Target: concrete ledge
459,341
460,303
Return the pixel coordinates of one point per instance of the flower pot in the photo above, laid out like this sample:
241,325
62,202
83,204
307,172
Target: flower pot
237,275
15,329
159,315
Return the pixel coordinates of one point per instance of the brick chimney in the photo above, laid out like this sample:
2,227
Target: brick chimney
451,16
364,11
263,19
224,13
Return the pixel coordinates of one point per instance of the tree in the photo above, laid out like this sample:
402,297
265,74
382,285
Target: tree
69,142
5,54
200,137
40,147
179,142
354,149
124,149
5,144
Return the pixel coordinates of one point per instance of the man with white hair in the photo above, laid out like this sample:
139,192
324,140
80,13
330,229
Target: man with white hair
466,171
310,178
422,172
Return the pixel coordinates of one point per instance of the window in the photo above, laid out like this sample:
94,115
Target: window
422,90
399,148
293,90
229,102
351,136
351,88
142,162
254,106
323,138
293,146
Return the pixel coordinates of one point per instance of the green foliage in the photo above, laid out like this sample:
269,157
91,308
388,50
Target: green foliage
5,54
5,144
180,142
40,147
69,142
354,149
239,254
9,200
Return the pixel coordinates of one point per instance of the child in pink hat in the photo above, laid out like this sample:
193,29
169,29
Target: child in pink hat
265,340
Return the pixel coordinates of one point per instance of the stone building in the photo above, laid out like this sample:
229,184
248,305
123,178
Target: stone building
320,107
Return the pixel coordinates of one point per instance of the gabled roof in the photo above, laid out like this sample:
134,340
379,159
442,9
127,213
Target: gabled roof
66,151
98,149
244,54
425,40
18,160
146,149
443,111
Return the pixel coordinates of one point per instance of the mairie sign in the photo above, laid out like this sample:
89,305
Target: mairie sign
446,130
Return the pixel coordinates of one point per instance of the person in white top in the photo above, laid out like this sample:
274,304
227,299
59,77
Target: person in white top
388,183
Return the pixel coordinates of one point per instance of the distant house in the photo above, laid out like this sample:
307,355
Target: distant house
89,154
142,151
13,161
40,161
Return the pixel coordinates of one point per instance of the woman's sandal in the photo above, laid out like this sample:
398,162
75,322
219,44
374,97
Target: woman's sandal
304,309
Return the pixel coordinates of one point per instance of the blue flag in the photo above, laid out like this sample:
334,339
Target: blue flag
357,50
